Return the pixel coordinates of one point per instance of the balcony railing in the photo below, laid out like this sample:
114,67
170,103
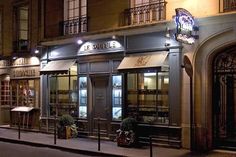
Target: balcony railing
146,13
227,5
75,26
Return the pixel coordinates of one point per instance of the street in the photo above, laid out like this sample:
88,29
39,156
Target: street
20,150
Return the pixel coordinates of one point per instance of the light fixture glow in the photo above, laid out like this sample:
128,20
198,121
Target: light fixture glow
36,51
149,74
113,37
79,41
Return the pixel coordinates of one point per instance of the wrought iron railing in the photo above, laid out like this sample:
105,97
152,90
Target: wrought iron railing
75,26
227,5
146,13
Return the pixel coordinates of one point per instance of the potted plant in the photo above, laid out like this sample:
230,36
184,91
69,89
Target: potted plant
66,127
127,134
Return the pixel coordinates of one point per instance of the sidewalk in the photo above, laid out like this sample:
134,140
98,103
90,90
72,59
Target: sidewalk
90,146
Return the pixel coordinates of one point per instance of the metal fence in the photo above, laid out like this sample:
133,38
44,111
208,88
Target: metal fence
146,13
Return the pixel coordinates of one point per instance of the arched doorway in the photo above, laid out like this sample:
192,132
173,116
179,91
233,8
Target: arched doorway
224,99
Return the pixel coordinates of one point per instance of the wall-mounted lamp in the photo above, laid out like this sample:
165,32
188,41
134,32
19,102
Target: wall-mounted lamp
114,37
14,57
79,41
36,51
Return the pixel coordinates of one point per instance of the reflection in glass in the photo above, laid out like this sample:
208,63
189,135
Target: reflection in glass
63,93
82,97
116,97
147,98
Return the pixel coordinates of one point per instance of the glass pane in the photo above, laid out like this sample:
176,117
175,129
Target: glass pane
163,99
83,97
73,88
132,94
76,13
138,2
150,80
116,97
76,4
73,69
71,13
23,25
25,93
24,13
53,84
63,90
83,3
71,5
23,35
83,11
147,97
5,91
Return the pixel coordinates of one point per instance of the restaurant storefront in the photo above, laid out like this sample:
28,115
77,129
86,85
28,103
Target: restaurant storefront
105,80
83,85
20,86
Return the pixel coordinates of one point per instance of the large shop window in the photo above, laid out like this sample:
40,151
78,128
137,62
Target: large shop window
63,93
116,97
25,93
83,97
147,98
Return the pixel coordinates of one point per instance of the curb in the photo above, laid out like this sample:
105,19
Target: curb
72,150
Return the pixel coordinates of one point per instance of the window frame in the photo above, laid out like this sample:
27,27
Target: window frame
53,104
137,93
17,30
67,9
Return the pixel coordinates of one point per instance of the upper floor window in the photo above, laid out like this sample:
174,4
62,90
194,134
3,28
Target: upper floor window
227,5
21,28
75,16
145,11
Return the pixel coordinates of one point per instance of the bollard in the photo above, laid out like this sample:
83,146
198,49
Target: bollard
55,130
150,143
99,140
19,125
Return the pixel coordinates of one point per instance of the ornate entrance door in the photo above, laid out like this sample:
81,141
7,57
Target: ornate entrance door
224,99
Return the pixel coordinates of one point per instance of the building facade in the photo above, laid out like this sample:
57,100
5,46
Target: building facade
20,79
109,60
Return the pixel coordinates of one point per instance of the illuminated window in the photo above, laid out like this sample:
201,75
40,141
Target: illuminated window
146,11
83,97
147,98
21,28
75,16
63,93
116,97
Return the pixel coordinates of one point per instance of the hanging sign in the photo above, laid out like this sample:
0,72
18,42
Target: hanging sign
184,26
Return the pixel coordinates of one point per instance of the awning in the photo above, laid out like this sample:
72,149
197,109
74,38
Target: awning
57,67
147,60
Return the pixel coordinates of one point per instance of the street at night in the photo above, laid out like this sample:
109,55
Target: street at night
119,78
19,150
